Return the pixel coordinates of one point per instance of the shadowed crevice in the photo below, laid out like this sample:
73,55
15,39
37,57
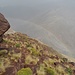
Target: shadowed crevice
4,49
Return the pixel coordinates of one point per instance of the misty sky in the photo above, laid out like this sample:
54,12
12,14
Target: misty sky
37,4
55,16
21,2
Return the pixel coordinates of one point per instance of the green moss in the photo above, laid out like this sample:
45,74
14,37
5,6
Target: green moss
69,70
25,71
17,45
34,51
50,71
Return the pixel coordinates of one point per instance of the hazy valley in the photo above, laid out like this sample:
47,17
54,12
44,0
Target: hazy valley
49,21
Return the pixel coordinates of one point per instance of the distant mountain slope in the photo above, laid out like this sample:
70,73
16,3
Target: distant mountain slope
22,55
40,33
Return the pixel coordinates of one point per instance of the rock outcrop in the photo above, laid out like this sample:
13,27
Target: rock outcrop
4,26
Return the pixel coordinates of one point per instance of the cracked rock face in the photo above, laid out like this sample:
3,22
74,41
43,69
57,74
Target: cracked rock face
4,26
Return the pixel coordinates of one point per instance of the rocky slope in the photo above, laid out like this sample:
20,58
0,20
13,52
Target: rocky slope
22,55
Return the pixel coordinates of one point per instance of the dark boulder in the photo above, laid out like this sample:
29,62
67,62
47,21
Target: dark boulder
4,26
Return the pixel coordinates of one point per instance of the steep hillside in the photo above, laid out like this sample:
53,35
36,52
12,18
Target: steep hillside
22,55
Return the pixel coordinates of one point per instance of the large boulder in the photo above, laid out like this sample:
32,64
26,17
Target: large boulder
4,26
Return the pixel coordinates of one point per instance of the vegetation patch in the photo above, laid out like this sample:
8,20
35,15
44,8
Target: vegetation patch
17,45
25,71
50,71
69,70
21,55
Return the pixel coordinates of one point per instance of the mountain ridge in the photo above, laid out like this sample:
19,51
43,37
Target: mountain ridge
22,55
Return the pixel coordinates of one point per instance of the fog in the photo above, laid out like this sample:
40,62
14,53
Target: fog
50,21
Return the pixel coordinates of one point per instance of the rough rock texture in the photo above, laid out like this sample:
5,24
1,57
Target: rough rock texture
4,26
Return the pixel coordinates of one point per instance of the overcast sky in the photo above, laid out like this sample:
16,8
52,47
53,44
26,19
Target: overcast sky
56,16
21,2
